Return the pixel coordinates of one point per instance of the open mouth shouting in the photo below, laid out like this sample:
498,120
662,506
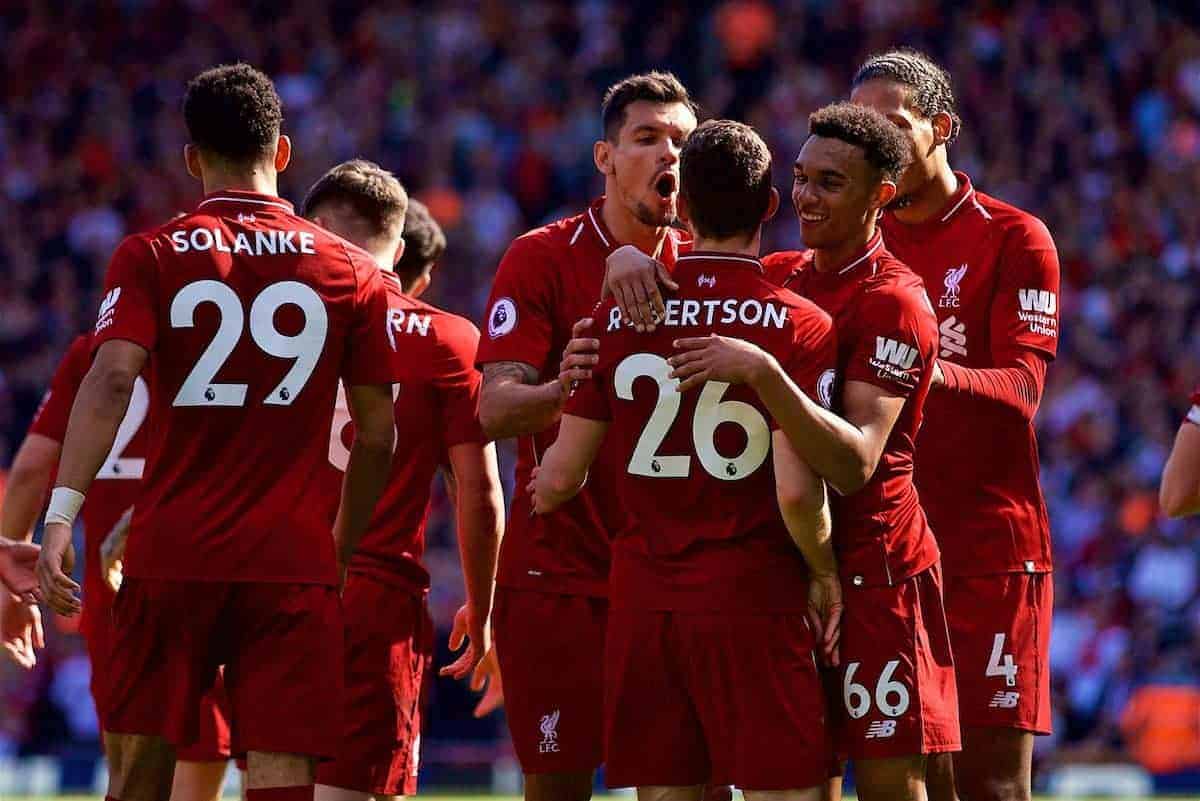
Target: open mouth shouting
666,184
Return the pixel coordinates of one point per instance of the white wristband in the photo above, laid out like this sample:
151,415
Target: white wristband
64,506
1193,415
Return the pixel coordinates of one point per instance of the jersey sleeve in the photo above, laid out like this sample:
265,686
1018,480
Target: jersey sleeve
895,340
52,415
1024,312
520,312
457,382
813,363
372,354
129,309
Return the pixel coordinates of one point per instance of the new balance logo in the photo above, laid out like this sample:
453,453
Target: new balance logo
953,337
549,728
707,280
107,307
1041,301
894,353
1005,700
880,729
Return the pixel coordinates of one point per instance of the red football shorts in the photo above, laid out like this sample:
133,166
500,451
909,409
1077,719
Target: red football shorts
212,744
551,652
713,699
388,652
281,645
897,694
1000,631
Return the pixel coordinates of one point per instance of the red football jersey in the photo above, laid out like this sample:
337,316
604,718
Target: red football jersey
437,402
116,485
703,530
548,280
250,314
887,336
992,273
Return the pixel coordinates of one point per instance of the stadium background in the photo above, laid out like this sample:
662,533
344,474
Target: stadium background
1087,114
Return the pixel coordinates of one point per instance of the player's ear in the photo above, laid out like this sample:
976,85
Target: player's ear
885,194
772,205
602,156
399,252
283,152
191,157
943,126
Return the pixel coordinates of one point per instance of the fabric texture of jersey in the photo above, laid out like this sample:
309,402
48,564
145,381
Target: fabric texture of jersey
437,400
250,315
992,273
887,336
696,480
548,280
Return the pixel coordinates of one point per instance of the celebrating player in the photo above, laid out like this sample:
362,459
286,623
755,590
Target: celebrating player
992,271
247,315
200,769
550,607
897,675
1179,494
387,655
706,584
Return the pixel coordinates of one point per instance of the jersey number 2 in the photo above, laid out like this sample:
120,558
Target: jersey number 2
710,412
115,465
305,347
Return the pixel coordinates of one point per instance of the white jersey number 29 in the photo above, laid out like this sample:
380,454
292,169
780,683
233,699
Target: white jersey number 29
711,412
115,465
305,348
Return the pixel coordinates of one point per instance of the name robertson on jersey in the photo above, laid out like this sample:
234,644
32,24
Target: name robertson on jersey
255,243
716,311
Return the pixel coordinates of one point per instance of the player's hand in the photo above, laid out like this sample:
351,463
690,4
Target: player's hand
825,615
717,358
488,672
579,357
56,588
632,278
474,633
537,494
20,630
18,562
939,378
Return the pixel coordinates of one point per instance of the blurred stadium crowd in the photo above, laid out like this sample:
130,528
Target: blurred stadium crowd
1087,114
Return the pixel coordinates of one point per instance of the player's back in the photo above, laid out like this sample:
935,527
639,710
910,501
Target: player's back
250,314
698,483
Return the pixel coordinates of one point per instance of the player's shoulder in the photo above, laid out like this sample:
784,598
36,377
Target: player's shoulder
429,329
556,237
894,288
1017,224
783,265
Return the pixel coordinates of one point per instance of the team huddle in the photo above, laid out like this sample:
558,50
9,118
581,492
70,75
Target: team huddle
773,513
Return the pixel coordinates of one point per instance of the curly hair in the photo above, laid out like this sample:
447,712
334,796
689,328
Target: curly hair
374,193
929,89
424,243
725,177
865,128
233,112
655,87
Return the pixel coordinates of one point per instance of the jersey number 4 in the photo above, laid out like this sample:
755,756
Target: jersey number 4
305,347
710,412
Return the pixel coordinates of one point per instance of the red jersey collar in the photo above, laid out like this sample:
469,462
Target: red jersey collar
868,254
248,201
716,260
963,196
593,223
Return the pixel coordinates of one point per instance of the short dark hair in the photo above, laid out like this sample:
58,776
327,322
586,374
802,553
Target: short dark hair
424,243
233,112
653,87
865,128
725,177
373,192
929,89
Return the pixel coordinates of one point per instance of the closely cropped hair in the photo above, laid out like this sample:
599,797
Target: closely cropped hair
424,243
233,112
867,129
373,192
654,87
929,87
725,177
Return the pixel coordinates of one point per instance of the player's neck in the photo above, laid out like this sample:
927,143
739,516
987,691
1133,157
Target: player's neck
733,247
628,230
930,198
257,180
834,258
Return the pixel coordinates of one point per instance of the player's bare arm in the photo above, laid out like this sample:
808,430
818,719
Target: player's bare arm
634,279
367,468
1179,494
28,479
99,407
112,551
804,505
513,402
479,506
565,466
